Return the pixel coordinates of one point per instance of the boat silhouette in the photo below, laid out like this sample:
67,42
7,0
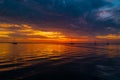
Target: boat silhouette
14,43
108,43
72,43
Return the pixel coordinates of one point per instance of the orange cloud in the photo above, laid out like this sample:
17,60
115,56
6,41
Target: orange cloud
5,33
109,36
6,25
28,31
47,34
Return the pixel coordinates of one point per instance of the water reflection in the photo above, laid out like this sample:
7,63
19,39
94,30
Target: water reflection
32,59
28,53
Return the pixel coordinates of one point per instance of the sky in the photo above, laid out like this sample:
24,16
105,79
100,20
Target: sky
60,20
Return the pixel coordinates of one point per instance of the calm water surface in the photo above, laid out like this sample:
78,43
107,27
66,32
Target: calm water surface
59,62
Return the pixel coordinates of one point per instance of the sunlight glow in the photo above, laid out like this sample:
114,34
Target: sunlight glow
25,32
5,34
48,34
30,33
5,25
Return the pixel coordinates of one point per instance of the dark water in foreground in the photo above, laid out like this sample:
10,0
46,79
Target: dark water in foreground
59,62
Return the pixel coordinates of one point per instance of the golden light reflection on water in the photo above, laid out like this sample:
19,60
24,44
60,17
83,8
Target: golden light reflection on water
45,50
22,52
17,56
21,55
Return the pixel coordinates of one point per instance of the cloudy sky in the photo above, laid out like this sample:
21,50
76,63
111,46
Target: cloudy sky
59,20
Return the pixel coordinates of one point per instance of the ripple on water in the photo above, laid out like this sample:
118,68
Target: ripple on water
30,59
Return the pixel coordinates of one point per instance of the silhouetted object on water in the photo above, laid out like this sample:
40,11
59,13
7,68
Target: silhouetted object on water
108,43
72,43
95,43
14,43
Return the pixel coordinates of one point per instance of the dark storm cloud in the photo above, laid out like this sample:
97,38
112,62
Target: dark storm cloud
54,8
66,8
80,16
107,17
71,8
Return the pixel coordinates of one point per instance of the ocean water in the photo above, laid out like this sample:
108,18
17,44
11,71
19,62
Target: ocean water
59,62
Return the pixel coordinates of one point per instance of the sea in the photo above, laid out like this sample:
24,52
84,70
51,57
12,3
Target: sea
48,61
